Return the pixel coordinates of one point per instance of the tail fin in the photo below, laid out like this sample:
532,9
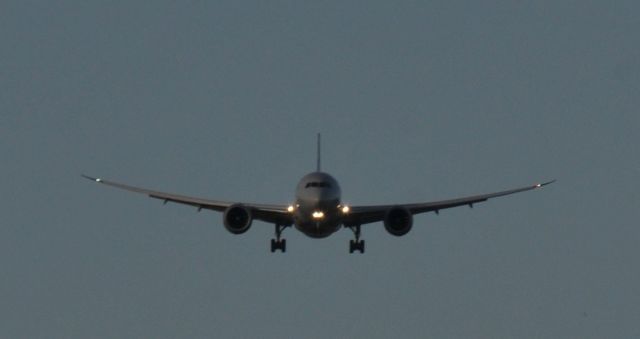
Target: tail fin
318,168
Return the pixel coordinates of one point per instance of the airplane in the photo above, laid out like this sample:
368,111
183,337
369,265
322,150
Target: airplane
318,210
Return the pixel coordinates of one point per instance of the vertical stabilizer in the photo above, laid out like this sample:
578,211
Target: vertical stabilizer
318,168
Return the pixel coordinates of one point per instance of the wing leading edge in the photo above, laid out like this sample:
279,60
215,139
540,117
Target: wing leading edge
278,214
268,213
360,215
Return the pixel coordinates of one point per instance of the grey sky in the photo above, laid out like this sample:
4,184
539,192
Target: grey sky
416,101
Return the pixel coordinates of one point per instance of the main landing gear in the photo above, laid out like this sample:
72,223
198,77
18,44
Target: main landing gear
357,244
277,243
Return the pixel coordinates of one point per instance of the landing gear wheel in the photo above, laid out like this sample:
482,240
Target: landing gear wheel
277,243
357,244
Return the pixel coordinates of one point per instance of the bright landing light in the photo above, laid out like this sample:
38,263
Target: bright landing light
345,209
290,209
317,215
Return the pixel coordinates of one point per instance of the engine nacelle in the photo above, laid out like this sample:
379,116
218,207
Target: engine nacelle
237,219
398,221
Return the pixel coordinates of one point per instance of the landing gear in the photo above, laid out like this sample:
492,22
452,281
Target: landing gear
277,243
357,244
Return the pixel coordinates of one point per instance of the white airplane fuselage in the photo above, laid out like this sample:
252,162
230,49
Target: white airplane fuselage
317,209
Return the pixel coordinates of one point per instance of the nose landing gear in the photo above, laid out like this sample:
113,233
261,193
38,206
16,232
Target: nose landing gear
357,244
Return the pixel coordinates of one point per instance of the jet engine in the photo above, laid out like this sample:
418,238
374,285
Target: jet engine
237,219
398,221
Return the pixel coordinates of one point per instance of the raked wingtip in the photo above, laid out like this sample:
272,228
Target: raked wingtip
545,183
91,178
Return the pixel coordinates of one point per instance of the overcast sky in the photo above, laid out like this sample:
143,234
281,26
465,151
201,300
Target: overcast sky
417,101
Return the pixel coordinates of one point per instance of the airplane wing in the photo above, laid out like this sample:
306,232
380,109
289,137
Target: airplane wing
360,215
269,213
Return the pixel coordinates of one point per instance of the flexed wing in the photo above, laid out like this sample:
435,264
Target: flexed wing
268,213
359,215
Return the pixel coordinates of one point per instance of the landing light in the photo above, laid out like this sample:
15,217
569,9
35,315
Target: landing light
318,215
290,209
345,209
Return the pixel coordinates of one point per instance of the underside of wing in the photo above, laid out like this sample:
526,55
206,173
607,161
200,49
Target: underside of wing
360,215
267,213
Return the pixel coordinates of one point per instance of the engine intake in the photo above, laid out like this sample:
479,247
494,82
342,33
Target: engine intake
398,221
237,219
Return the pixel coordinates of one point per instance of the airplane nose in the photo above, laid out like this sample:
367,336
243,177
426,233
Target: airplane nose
324,197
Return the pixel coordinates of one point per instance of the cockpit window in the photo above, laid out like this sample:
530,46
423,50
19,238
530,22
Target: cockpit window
317,184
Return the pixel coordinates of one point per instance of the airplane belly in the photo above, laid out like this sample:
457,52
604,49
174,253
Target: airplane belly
317,229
